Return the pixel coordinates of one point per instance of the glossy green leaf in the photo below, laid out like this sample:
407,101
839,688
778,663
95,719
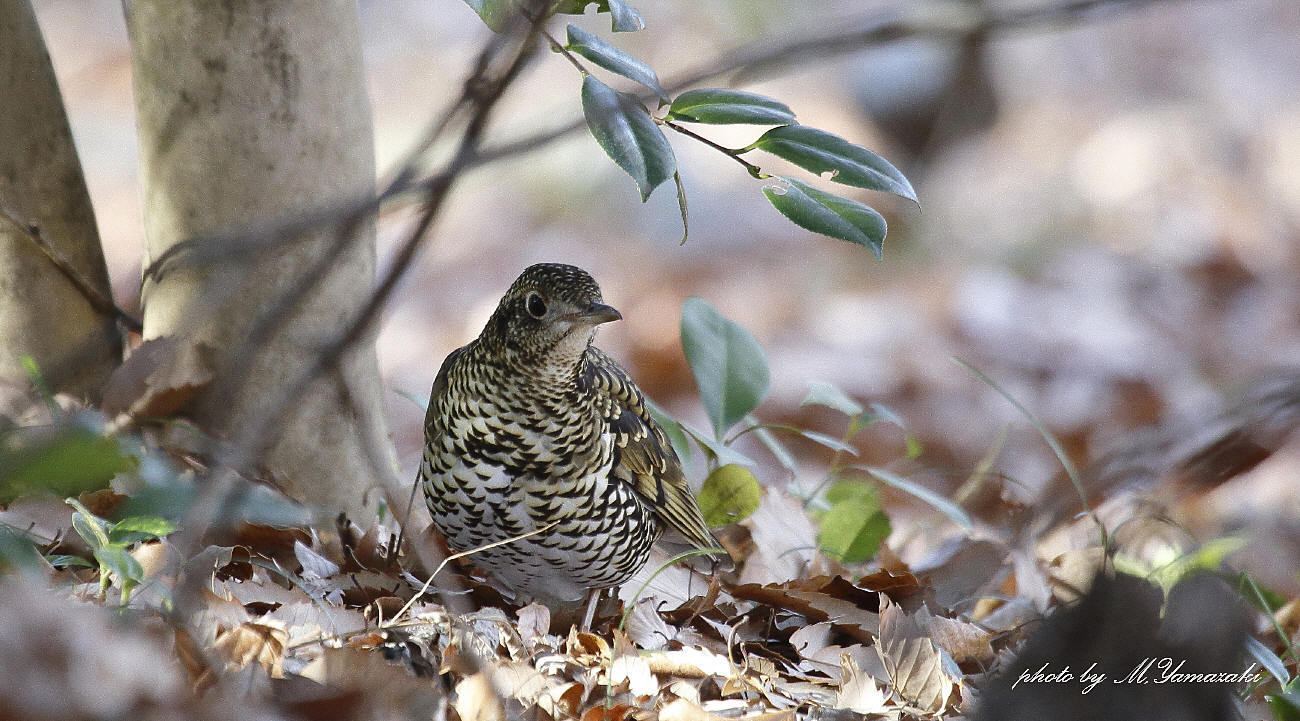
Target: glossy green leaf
624,17
944,505
496,14
729,495
139,528
63,461
728,364
842,161
595,49
854,526
718,106
628,134
825,394
830,215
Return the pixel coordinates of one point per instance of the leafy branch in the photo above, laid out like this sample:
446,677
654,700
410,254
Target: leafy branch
627,131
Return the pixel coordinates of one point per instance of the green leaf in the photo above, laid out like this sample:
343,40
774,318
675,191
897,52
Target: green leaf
139,528
852,489
628,134
718,106
625,18
63,461
855,526
882,412
729,495
61,560
1265,657
775,447
17,552
1285,707
945,506
722,453
729,367
593,48
92,529
830,442
672,428
825,394
830,215
497,14
821,152
117,561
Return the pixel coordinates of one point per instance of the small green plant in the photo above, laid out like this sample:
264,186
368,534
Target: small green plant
732,376
110,545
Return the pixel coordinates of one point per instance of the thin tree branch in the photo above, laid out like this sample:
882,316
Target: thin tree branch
752,169
102,304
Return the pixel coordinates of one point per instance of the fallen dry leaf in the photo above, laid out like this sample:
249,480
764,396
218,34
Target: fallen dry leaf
476,700
690,663
253,643
962,568
680,709
159,377
964,641
784,538
534,622
628,666
858,692
601,712
915,665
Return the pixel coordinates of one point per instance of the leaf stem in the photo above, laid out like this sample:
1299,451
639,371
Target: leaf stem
753,170
557,47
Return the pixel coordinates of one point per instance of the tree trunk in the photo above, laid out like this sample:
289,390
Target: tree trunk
42,313
251,111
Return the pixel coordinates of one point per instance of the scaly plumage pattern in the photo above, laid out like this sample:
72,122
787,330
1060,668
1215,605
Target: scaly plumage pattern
530,425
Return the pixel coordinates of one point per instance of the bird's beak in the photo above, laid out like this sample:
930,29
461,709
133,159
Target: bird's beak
598,313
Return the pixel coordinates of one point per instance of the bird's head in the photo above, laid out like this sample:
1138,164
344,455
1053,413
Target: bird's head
549,314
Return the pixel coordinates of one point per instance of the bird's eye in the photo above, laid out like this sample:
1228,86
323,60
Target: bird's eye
536,306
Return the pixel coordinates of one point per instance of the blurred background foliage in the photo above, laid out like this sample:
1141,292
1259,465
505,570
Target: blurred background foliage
1110,210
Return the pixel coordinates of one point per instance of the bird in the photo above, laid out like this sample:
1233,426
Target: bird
531,429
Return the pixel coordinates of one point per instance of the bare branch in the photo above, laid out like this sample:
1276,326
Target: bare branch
102,305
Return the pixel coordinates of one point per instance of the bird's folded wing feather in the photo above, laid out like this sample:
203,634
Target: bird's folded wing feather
646,459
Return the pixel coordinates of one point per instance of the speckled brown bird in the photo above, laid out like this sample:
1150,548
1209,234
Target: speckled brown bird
530,425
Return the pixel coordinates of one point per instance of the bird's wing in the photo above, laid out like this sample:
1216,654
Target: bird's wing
645,458
431,416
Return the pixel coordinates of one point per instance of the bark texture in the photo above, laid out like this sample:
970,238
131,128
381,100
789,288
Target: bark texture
42,313
251,111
